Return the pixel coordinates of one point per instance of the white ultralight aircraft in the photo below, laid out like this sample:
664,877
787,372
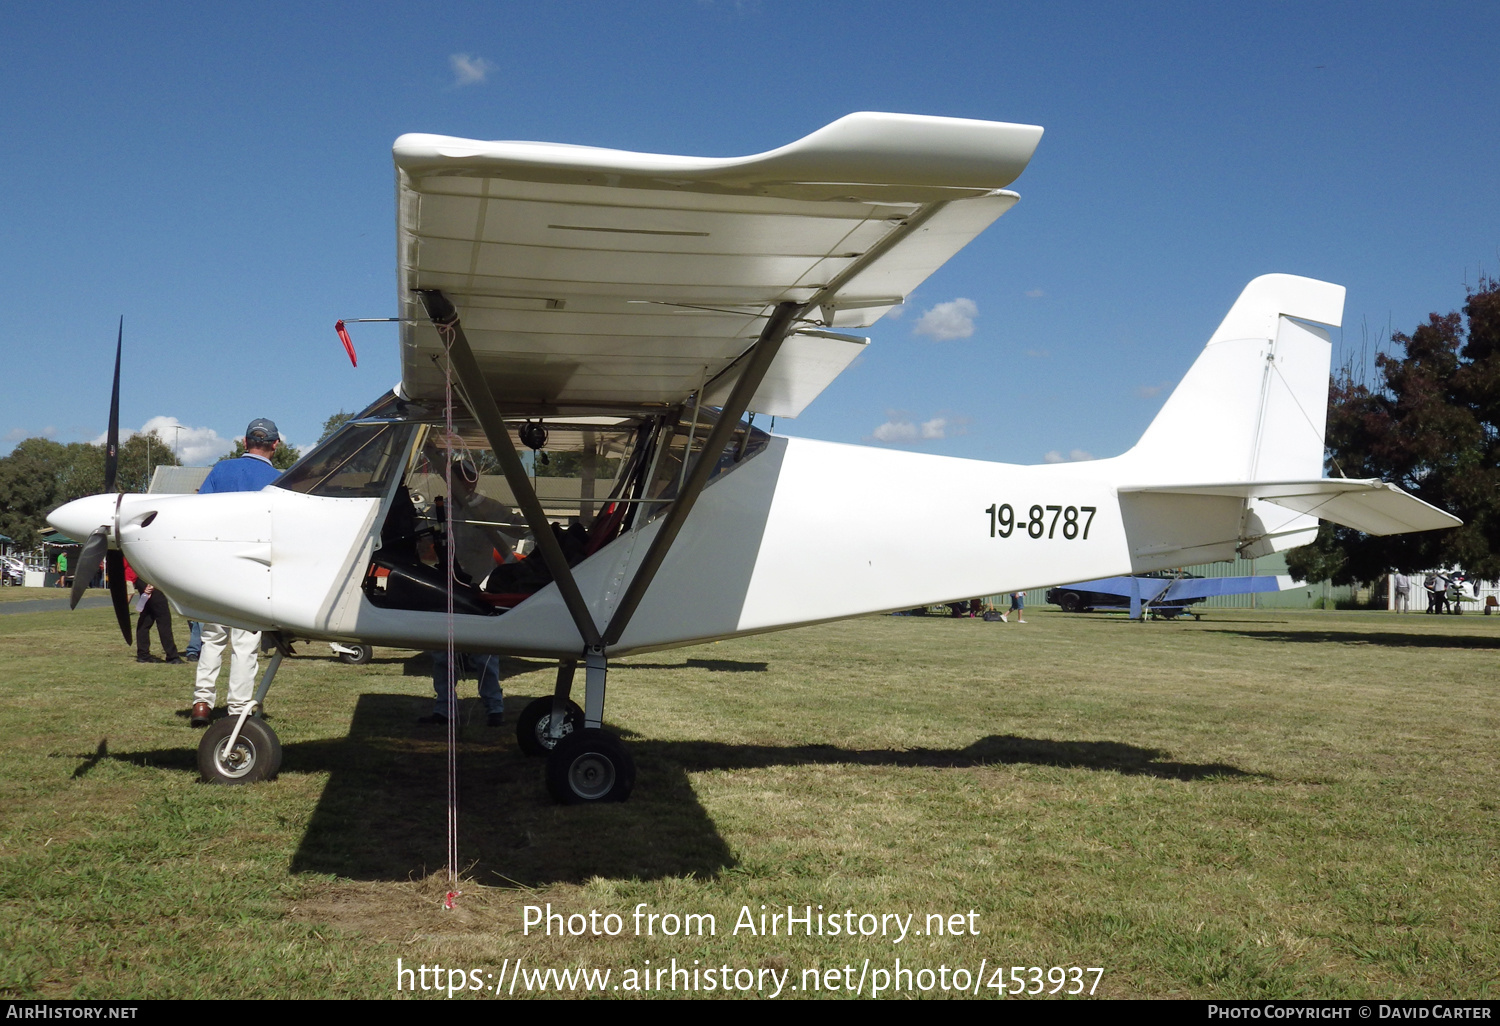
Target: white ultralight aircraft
619,315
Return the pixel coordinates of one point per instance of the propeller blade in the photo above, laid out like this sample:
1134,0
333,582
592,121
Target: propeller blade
88,561
114,564
112,443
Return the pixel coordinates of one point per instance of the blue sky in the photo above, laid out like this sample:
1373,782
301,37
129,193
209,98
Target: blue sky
221,176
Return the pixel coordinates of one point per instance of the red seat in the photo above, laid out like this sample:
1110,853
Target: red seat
606,526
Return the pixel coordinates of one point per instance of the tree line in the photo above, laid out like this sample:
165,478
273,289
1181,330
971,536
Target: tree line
1430,423
39,475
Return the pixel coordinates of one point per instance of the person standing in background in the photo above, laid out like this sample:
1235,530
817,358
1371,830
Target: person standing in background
154,610
249,473
1017,606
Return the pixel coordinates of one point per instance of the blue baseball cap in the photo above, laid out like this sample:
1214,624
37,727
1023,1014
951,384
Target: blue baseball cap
263,431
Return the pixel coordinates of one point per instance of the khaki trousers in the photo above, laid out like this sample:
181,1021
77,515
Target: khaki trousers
242,669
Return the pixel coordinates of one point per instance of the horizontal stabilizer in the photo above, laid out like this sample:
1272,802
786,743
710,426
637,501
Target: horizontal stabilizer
1368,505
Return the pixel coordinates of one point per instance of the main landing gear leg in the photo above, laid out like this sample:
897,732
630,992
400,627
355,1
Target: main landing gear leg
590,765
593,693
242,749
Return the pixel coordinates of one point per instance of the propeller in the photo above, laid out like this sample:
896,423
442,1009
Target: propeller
114,565
112,440
88,561
97,544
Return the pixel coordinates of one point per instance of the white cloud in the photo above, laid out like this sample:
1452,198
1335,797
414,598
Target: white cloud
1073,456
1035,293
468,69
953,319
895,431
894,313
1038,354
1149,391
900,429
196,446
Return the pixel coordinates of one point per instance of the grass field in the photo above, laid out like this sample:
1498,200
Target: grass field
1255,805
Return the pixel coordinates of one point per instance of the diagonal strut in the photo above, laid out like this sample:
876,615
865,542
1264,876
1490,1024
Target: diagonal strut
778,326
445,318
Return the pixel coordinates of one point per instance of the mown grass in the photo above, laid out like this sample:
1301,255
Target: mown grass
1256,805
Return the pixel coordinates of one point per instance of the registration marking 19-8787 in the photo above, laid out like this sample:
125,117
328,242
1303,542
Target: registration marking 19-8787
1065,521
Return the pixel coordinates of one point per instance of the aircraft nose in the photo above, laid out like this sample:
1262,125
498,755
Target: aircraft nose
81,517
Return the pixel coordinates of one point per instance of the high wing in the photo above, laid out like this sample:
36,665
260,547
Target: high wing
597,278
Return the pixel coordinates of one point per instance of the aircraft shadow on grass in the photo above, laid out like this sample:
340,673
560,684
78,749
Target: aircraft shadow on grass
420,665
711,665
383,812
1390,639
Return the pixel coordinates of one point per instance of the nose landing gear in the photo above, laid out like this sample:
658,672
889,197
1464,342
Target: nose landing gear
245,755
241,749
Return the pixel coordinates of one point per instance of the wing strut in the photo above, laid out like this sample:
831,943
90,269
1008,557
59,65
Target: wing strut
482,404
778,327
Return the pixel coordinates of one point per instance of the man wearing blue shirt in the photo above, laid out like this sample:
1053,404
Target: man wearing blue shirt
249,473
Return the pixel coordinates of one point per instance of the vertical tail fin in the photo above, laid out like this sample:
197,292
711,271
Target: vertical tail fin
1253,407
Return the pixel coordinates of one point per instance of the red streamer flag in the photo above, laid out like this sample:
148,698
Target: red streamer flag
348,342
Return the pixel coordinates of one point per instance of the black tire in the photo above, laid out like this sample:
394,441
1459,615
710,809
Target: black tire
257,752
531,729
589,766
1070,602
361,654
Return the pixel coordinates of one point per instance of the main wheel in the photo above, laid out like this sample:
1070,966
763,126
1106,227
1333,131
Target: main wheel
360,654
256,754
1070,602
531,729
590,766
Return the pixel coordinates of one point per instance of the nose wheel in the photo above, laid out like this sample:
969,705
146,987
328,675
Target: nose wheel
240,748
244,757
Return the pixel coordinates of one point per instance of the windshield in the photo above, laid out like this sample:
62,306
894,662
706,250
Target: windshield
359,462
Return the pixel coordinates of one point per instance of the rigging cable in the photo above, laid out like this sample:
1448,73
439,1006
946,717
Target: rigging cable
452,668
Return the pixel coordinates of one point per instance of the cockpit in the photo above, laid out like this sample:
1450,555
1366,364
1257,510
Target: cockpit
449,512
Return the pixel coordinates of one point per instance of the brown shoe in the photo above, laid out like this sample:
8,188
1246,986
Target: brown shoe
202,711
